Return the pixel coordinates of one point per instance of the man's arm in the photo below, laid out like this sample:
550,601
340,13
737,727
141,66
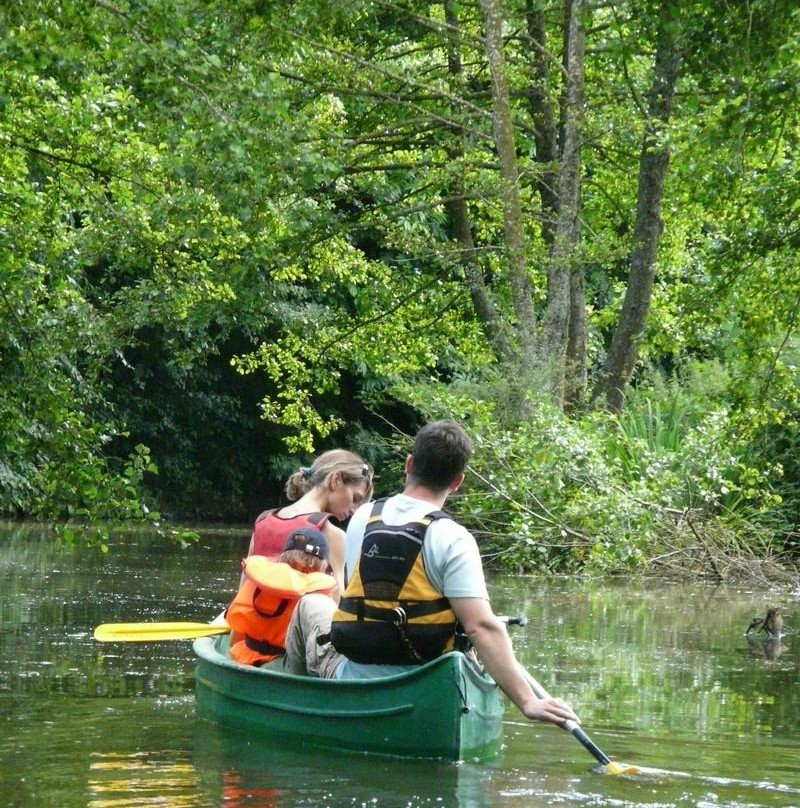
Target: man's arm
490,638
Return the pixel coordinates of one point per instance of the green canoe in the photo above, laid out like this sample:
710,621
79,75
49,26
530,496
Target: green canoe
443,709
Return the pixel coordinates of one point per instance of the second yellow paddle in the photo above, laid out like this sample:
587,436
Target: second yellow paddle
149,632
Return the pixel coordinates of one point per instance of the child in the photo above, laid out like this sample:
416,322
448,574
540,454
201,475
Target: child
259,614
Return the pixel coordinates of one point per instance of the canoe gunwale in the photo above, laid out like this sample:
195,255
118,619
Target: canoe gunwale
208,648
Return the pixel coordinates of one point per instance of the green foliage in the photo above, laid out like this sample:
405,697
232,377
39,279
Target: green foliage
54,423
681,437
99,244
226,235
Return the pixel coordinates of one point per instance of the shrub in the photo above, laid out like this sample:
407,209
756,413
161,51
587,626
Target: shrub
599,493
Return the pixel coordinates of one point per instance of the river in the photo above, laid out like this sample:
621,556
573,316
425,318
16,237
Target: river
661,674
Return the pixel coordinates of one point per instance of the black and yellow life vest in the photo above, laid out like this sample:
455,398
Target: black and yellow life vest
390,613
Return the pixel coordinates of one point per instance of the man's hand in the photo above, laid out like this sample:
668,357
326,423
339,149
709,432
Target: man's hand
554,711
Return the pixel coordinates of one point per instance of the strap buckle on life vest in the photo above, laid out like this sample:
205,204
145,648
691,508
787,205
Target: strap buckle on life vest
400,621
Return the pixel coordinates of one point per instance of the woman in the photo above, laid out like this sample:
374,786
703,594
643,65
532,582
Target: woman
334,485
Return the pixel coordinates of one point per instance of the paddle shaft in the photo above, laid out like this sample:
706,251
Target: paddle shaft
570,726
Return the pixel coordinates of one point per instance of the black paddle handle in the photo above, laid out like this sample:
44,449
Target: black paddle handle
588,743
570,726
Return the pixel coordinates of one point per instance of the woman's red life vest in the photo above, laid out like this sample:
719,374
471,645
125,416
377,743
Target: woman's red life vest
264,604
271,532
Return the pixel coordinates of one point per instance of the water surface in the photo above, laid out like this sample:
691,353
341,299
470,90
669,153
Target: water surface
662,676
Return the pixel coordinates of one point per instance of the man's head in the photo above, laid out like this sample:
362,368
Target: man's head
440,455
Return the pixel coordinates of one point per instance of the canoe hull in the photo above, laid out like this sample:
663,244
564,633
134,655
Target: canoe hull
444,709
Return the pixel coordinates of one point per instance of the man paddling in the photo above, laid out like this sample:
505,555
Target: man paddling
414,575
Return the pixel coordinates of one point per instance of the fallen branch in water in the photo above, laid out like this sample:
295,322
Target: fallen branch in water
693,548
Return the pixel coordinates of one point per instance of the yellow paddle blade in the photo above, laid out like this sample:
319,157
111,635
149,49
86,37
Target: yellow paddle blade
149,632
619,768
624,769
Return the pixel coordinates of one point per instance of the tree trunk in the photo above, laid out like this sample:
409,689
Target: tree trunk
653,162
545,131
458,212
555,333
575,371
521,292
482,302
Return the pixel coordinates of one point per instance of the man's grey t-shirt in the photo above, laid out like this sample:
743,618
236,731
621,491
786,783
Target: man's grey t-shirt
450,554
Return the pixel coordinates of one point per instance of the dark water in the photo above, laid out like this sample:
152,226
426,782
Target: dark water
661,675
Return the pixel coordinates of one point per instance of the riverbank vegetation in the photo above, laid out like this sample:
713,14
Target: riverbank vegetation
237,234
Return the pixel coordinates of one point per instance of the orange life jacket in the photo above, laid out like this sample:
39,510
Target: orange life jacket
264,604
